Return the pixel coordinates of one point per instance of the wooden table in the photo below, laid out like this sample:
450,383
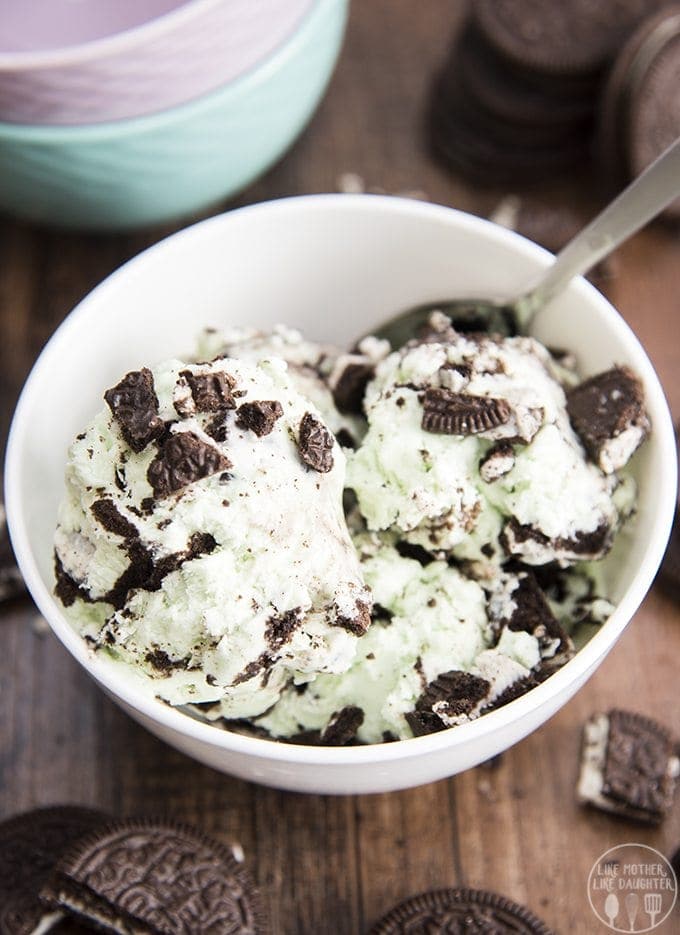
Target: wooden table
333,865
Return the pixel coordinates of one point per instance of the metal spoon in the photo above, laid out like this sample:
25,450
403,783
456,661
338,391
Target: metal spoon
642,200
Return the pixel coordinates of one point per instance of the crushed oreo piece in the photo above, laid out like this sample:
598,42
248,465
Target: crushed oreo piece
534,547
109,516
459,912
448,413
516,690
279,630
217,427
345,439
156,877
358,624
498,460
30,845
183,459
211,392
342,726
134,406
350,386
452,696
532,614
160,660
259,416
630,765
607,413
315,444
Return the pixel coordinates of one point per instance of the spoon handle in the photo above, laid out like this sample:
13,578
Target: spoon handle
643,199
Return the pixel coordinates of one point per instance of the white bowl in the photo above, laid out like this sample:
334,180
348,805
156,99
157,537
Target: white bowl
335,266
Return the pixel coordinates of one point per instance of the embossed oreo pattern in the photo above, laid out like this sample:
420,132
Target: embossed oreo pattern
459,912
30,844
170,877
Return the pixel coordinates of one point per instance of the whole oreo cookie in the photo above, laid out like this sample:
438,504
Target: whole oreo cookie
640,111
459,912
565,37
30,845
158,877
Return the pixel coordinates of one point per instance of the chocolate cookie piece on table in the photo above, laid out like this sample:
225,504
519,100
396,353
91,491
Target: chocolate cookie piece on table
629,766
158,878
30,845
459,910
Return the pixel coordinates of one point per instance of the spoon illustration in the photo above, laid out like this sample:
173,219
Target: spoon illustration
611,908
632,900
644,198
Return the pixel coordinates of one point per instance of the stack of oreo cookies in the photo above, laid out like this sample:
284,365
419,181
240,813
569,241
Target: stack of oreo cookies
517,100
640,113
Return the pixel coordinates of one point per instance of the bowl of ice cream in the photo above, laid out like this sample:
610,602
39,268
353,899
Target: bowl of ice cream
206,574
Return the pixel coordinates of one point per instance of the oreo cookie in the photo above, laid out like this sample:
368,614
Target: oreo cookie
449,413
156,877
571,38
134,406
475,912
183,459
315,444
640,109
452,697
607,413
259,416
30,845
629,766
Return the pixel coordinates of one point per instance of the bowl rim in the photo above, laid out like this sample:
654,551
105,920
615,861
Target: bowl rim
220,97
173,20
170,719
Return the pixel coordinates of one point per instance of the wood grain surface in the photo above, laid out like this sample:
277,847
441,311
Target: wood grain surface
334,865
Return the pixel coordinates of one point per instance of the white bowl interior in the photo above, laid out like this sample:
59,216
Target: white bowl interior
333,266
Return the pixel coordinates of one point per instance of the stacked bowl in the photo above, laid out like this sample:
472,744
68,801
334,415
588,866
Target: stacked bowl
129,112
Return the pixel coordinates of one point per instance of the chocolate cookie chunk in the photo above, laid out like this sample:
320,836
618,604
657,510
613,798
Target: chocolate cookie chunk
630,765
350,386
315,444
158,878
607,413
30,845
454,911
134,406
211,392
259,416
184,459
343,726
449,413
452,696
532,614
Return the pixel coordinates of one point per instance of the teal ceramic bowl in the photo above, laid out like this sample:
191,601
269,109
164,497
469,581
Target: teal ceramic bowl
154,169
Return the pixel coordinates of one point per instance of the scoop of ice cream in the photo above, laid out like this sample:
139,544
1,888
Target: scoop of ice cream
470,451
202,536
332,379
430,620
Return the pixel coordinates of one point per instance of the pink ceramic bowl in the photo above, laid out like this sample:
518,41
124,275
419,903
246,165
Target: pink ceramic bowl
77,62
